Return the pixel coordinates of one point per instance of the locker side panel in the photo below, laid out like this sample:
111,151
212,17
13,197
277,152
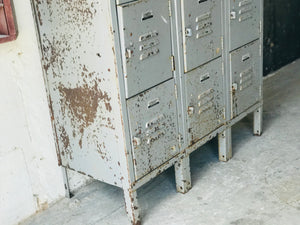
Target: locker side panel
80,75
205,99
153,127
245,72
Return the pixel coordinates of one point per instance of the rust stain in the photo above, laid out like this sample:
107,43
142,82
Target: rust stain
83,102
54,52
38,2
66,148
40,205
54,130
103,154
77,12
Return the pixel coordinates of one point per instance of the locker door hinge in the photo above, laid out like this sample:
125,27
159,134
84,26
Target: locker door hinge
260,27
173,63
222,42
170,9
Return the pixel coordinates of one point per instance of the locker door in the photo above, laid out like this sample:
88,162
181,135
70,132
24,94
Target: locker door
153,127
244,22
202,36
146,44
205,99
245,77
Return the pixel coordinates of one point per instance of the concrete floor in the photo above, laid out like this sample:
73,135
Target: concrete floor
259,186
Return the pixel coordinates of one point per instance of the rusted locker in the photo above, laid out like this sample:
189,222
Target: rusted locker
245,22
205,100
145,30
108,72
153,127
244,69
201,21
134,86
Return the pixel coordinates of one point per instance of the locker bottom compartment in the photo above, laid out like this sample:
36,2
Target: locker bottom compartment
245,76
153,127
205,100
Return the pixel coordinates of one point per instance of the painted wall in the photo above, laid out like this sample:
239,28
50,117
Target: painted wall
29,176
281,33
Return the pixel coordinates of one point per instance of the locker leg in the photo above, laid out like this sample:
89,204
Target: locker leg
132,207
225,146
183,175
68,193
258,121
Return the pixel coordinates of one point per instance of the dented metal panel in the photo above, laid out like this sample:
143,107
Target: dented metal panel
245,22
146,43
201,32
205,99
245,72
79,66
153,127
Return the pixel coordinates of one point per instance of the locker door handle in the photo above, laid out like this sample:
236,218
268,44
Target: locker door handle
153,103
246,57
147,15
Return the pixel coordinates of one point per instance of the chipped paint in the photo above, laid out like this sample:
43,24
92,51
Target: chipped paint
83,102
205,99
80,73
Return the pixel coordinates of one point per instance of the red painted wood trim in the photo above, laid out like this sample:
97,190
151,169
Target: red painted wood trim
11,23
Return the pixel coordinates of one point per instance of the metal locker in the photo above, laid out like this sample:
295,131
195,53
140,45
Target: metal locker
145,29
202,28
153,127
205,99
245,22
245,75
135,86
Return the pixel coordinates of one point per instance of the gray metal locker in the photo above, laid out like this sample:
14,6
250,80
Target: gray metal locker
145,32
153,128
244,69
134,87
245,22
202,28
205,99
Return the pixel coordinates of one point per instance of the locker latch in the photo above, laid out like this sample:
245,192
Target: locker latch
234,86
232,15
188,32
190,110
128,53
136,141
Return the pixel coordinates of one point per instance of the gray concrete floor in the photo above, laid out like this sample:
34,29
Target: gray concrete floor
259,186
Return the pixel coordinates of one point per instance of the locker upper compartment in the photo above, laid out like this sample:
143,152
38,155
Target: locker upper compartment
145,32
244,22
202,36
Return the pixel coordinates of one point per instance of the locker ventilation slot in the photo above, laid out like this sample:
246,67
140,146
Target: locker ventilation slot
246,78
149,42
203,25
245,10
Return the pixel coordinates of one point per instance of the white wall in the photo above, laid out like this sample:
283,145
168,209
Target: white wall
29,176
